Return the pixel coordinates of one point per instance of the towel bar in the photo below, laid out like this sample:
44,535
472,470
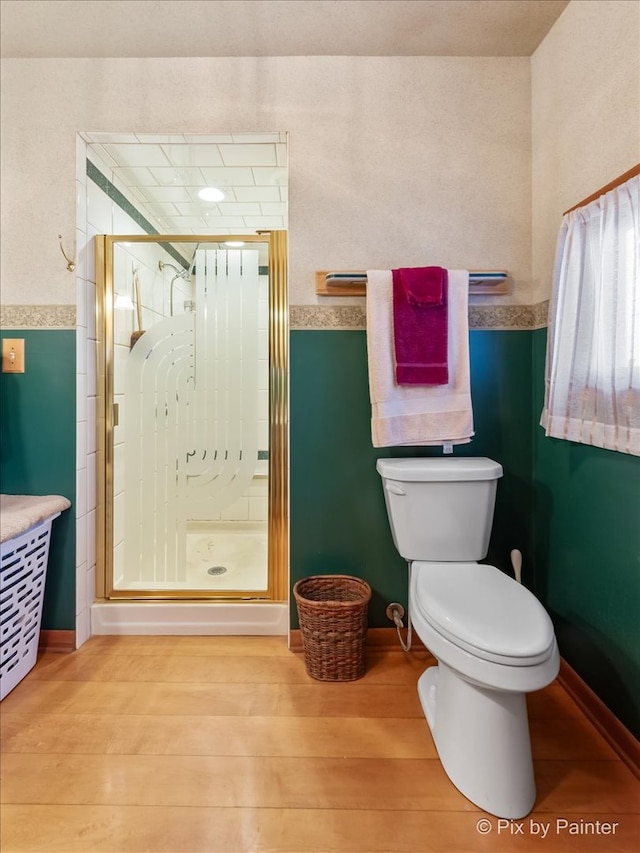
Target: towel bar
354,282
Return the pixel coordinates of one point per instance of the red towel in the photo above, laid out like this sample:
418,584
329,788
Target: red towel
423,285
420,325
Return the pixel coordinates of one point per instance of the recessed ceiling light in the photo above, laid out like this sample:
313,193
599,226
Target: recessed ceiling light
210,194
234,244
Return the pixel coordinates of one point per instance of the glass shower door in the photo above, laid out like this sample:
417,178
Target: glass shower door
189,486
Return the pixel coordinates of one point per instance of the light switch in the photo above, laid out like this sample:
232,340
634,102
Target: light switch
13,355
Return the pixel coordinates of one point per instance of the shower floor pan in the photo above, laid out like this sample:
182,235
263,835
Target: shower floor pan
219,556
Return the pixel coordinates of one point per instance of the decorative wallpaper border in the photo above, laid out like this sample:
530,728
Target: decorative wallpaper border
509,317
348,317
324,317
301,317
540,315
38,317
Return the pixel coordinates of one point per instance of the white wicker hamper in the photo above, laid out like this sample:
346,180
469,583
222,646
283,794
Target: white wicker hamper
23,571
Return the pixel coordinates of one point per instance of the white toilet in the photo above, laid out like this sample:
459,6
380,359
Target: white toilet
492,638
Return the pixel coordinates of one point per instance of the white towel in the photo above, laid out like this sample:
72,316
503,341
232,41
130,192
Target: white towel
20,512
417,414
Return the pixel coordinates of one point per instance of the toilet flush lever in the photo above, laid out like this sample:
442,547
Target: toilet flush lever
395,490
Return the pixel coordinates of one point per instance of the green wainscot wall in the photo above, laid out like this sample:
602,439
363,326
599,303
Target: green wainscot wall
38,451
587,557
339,522
573,510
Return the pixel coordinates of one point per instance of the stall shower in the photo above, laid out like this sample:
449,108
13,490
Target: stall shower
188,491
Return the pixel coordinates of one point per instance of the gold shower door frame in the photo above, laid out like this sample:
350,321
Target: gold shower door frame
278,522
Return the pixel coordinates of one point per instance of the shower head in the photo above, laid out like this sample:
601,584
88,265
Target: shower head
180,273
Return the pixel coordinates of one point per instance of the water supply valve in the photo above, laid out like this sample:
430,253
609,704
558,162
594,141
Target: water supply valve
395,612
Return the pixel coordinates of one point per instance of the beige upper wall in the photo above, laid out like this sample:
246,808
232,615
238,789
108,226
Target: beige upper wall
393,160
585,115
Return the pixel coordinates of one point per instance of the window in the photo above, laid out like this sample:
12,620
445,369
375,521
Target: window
592,377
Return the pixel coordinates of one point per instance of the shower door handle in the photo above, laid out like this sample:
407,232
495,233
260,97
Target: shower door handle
116,414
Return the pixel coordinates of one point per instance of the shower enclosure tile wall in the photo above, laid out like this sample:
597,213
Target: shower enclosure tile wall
101,211
96,214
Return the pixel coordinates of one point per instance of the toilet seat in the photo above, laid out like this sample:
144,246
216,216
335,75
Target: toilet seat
483,611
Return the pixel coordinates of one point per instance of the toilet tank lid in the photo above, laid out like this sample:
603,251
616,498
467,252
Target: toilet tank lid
433,469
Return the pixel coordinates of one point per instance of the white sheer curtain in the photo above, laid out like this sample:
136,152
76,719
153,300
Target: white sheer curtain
592,378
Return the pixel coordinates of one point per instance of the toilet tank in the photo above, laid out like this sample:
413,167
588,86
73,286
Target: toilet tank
440,509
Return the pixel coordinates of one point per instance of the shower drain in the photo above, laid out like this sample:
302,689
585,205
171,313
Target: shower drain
217,570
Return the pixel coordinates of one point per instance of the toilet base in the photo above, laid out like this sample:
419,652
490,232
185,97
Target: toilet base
482,738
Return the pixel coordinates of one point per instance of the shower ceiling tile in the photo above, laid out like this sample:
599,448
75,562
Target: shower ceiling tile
160,138
99,152
278,208
171,177
237,209
163,227
233,177
138,155
162,174
139,199
265,221
193,208
164,208
207,138
269,177
257,194
183,156
248,155
111,138
281,154
136,177
213,228
225,222
252,138
185,222
164,193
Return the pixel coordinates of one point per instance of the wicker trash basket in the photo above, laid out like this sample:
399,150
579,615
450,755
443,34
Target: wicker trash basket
332,610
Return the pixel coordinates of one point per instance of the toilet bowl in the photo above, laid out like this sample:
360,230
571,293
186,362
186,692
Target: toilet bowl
474,700
491,637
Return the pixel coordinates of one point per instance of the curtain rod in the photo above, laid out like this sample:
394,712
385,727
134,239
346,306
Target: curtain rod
616,182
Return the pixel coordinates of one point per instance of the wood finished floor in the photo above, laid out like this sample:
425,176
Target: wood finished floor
190,744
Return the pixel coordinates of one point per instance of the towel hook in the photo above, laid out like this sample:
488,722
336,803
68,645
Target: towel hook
70,263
